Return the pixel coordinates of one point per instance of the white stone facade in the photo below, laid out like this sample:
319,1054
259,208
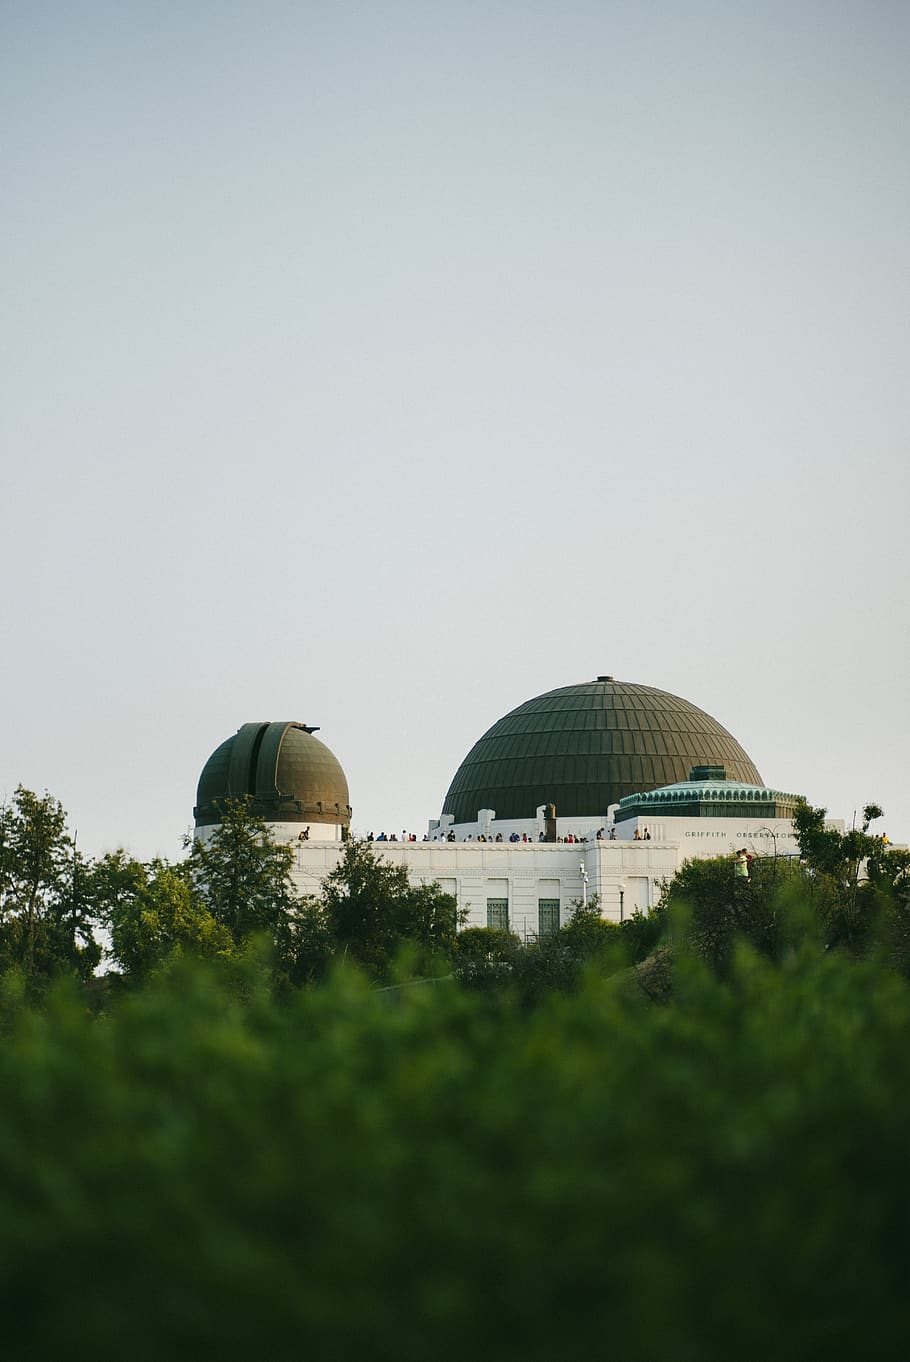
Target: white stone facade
529,877
699,838
522,874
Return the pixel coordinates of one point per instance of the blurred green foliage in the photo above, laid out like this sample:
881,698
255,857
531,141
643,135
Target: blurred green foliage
678,1139
209,1171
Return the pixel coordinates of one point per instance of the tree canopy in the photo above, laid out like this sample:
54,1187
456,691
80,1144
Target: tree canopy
657,1137
234,892
46,926
155,914
372,910
333,1174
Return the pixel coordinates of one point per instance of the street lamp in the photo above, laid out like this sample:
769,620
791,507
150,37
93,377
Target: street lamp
622,896
767,832
584,885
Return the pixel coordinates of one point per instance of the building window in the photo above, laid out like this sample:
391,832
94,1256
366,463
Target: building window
498,913
547,916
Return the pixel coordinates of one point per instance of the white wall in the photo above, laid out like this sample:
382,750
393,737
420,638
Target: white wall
288,832
523,873
489,826
625,874
702,837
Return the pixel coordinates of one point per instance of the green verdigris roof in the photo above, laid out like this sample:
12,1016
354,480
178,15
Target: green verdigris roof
714,797
586,747
290,776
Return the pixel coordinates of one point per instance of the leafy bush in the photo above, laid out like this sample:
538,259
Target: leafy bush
438,1173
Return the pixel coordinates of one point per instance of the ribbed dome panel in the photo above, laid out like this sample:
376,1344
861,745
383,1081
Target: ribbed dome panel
585,747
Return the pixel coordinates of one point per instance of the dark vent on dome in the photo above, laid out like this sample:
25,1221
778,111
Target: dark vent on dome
708,773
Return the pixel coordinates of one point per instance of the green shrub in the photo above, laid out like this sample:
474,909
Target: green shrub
205,1172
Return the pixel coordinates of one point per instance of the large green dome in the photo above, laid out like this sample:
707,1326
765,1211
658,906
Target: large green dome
584,747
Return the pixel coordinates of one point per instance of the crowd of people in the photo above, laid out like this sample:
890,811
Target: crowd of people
603,835
405,837
521,839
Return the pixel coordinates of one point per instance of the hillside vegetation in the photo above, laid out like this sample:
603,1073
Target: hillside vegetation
685,1139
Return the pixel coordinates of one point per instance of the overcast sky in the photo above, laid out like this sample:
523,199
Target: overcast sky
382,365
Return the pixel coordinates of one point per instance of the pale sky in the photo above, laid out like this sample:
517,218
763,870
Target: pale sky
382,365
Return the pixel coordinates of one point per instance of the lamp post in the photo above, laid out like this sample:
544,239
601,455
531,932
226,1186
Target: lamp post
622,896
773,835
584,885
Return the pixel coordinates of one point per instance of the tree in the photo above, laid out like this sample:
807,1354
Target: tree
153,914
243,877
231,891
644,933
715,908
490,945
304,945
46,926
858,884
849,891
485,957
372,910
489,957
889,878
833,862
586,934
